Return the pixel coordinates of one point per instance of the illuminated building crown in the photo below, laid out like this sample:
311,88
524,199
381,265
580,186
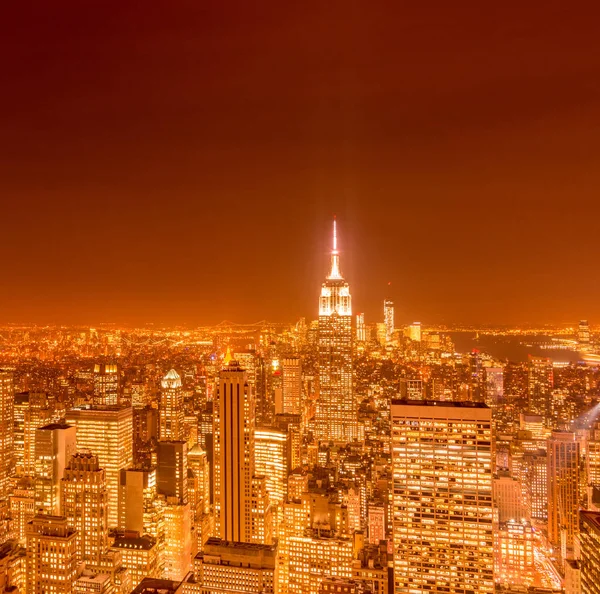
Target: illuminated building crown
335,292
171,380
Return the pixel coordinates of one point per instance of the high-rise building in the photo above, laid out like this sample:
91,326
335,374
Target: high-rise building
137,494
226,567
139,554
589,543
171,470
314,557
51,555
336,417
361,330
271,461
583,333
177,546
514,562
563,490
107,432
539,386
233,429
442,497
34,413
535,480
54,445
414,331
171,407
84,504
22,507
494,386
106,384
7,402
292,385
593,455
388,319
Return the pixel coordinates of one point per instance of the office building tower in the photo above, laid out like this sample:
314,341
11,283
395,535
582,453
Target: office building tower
442,497
51,555
171,407
292,425
106,384
54,445
593,455
7,454
177,546
34,412
236,567
563,491
414,331
411,389
292,385
139,554
535,480
137,494
589,549
494,386
509,500
376,522
107,432
336,417
388,319
22,507
271,461
539,387
84,504
514,556
313,557
583,332
477,377
361,330
233,430
171,470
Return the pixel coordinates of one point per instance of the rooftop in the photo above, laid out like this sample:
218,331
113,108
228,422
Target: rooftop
440,403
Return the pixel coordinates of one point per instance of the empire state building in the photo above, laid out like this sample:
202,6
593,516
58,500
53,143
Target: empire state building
336,417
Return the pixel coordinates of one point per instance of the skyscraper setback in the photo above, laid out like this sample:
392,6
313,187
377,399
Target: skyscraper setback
336,417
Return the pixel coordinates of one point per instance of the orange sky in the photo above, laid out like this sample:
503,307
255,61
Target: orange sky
180,162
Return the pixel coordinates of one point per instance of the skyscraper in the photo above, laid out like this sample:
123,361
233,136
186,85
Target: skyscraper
7,403
539,386
171,407
108,432
442,497
361,330
388,319
84,504
292,385
336,417
271,461
234,422
106,384
54,445
51,555
589,540
563,490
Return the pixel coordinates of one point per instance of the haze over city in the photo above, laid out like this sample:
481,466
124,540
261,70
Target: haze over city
146,152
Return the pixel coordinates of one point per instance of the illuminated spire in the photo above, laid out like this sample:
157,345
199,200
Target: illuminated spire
335,257
228,357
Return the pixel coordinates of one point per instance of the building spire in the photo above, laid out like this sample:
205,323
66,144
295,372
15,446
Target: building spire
335,257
